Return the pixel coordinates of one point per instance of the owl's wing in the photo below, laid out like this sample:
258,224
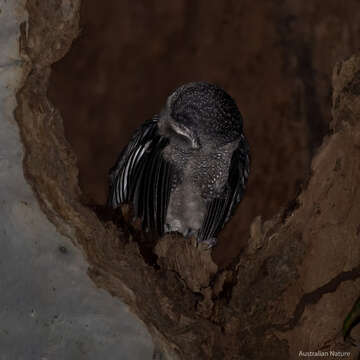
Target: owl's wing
220,209
142,177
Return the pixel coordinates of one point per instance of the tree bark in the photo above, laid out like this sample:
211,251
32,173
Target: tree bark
290,289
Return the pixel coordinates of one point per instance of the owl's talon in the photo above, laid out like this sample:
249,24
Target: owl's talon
207,244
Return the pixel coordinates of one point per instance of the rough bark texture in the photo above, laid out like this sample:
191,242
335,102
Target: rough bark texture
291,287
49,307
274,57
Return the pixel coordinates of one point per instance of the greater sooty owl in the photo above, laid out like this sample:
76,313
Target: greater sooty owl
186,169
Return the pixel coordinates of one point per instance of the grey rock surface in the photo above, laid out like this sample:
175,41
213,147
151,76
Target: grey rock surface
49,308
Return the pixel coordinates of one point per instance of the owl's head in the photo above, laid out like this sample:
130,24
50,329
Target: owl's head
201,114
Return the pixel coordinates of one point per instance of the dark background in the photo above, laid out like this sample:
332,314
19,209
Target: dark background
274,57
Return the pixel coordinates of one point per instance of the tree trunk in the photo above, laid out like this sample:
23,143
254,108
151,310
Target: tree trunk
289,290
49,307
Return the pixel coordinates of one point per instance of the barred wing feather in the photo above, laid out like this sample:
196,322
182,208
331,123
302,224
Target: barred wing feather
142,177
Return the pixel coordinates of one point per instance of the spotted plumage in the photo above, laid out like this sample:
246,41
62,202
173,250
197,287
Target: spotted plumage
186,169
